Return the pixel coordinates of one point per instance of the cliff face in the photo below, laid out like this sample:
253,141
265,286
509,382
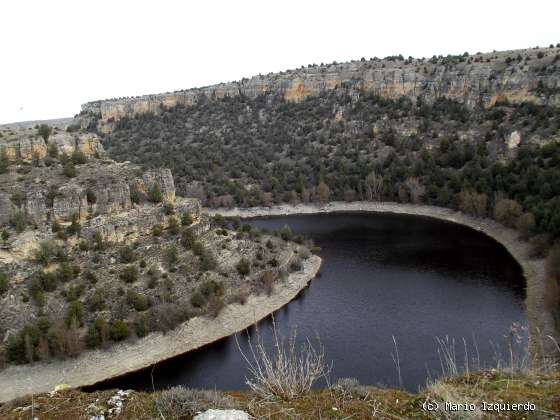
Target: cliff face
101,187
522,75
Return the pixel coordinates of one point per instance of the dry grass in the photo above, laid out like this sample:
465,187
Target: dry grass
284,372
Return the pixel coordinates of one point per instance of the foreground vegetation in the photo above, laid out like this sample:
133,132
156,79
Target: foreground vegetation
345,399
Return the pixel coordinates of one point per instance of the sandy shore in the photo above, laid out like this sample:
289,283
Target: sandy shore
95,366
540,322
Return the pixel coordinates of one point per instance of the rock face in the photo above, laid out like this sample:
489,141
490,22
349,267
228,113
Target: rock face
161,177
480,79
29,148
129,225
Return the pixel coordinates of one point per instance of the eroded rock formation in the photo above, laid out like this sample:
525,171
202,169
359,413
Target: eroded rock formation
515,76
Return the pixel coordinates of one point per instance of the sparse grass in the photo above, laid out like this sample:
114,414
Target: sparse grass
284,372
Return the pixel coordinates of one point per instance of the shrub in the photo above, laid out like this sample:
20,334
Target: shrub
75,228
129,274
173,225
172,255
4,283
296,265
265,283
198,299
47,253
286,233
207,260
78,157
179,402
188,239
5,235
154,194
157,230
525,224
284,372
507,212
215,306
70,170
243,266
212,288
127,255
18,220
97,334
53,150
96,302
137,301
44,131
119,330
74,313
186,219
168,209
83,245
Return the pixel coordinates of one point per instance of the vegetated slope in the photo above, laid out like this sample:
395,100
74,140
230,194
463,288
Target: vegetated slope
238,151
94,252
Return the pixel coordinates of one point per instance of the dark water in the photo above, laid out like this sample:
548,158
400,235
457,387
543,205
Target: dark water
383,275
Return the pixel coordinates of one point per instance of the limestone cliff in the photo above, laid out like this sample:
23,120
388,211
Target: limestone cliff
516,76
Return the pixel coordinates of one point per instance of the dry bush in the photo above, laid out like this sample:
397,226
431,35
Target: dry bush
215,305
284,372
240,297
507,212
180,402
265,283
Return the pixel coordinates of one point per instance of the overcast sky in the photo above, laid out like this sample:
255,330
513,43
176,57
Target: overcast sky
58,54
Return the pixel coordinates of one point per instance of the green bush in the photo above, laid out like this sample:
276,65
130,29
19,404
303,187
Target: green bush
137,301
188,239
74,313
154,194
168,209
70,170
186,219
212,288
97,333
78,157
44,131
173,225
127,254
129,274
96,302
4,283
207,260
243,266
119,330
18,220
198,299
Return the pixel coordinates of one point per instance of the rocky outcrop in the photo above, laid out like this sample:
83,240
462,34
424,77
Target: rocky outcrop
27,148
129,225
70,200
87,143
480,79
164,180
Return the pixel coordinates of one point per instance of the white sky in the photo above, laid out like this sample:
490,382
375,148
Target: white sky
55,55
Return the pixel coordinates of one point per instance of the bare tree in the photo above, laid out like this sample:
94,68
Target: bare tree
416,189
374,187
472,203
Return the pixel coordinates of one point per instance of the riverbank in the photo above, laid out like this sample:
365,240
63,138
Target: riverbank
95,366
540,322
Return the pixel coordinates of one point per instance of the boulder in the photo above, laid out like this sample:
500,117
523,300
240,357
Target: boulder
222,415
